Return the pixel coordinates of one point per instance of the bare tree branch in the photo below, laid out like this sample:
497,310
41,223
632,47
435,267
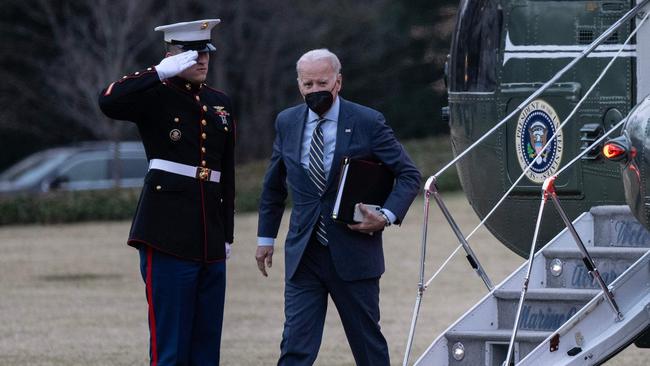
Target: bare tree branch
96,41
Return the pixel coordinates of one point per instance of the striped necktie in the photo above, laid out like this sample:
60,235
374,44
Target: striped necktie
317,173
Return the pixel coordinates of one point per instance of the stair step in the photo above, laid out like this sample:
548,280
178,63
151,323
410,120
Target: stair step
596,252
549,294
544,309
499,335
490,347
610,261
615,226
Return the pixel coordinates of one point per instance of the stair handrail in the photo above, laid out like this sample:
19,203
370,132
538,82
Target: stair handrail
585,151
548,190
529,270
421,286
432,179
586,257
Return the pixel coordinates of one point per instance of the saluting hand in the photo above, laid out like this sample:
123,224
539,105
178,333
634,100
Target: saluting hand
372,221
264,258
174,65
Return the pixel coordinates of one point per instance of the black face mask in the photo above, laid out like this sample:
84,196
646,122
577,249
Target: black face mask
320,101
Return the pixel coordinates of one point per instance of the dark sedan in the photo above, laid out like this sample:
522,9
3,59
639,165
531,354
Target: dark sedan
84,166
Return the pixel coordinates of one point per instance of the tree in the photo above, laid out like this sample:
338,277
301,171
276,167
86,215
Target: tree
91,42
96,41
58,54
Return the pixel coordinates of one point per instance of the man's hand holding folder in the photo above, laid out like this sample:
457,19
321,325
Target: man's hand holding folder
372,221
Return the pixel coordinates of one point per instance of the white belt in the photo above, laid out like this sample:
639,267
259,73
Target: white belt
197,172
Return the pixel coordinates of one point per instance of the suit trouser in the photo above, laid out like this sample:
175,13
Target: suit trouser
305,306
186,301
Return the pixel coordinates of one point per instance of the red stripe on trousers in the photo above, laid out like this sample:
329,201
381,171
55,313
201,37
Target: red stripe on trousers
152,316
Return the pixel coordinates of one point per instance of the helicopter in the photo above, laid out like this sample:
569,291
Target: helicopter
536,89
501,52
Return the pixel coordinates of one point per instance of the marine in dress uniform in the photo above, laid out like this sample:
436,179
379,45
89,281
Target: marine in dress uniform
183,225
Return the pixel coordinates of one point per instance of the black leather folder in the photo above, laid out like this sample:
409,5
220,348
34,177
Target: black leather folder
361,181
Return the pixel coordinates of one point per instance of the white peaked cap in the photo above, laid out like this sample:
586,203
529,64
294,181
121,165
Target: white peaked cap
198,30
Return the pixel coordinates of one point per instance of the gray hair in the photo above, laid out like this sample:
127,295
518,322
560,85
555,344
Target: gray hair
320,54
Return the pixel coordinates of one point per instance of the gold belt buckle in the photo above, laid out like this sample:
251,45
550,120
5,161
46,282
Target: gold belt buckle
203,173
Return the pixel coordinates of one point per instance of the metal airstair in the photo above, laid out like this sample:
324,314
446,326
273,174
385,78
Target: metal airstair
565,319
579,300
585,295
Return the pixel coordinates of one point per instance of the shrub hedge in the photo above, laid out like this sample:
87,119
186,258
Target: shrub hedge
119,204
69,207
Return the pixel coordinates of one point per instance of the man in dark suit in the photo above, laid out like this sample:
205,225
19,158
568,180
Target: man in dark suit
324,257
183,225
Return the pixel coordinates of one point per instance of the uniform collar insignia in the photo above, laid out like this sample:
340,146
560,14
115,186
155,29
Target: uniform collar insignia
185,85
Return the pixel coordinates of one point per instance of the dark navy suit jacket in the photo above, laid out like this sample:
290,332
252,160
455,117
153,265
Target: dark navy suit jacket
361,133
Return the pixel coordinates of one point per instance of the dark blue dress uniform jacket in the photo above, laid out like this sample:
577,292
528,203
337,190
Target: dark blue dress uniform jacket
188,124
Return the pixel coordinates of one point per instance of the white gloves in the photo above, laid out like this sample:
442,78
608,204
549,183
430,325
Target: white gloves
227,250
174,65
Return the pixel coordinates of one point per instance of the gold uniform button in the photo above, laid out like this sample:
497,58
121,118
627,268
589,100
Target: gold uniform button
204,136
188,86
175,134
203,150
225,129
205,109
197,98
204,122
203,162
158,188
176,119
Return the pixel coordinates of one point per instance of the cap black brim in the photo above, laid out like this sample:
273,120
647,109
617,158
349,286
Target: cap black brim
199,46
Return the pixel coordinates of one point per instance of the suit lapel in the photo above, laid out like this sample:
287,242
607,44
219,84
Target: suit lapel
344,131
294,140
295,137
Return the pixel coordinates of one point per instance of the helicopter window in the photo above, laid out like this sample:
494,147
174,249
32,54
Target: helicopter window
475,47
613,7
585,36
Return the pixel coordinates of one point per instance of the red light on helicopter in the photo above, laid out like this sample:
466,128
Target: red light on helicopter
614,151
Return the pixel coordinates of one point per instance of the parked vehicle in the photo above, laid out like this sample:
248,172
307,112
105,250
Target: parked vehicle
83,166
